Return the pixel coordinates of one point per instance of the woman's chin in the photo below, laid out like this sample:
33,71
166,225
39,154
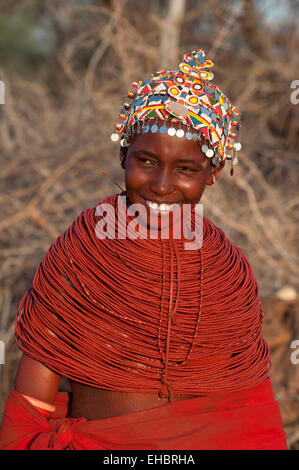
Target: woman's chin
152,223
161,224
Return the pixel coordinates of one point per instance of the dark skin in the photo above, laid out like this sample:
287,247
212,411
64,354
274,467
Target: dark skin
161,169
165,169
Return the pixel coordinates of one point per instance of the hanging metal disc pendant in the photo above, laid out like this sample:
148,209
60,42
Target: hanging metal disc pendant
163,129
210,153
180,133
171,131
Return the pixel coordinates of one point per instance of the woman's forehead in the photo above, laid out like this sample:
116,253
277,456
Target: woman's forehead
164,146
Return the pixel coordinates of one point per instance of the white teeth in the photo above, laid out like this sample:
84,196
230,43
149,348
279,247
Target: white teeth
153,205
161,207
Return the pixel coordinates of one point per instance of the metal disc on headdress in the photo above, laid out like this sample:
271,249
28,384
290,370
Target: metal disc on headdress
124,143
177,109
209,153
154,129
163,129
171,131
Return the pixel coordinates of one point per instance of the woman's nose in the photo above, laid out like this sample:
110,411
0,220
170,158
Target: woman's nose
162,183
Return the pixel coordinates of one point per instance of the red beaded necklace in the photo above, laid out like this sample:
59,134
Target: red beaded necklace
145,315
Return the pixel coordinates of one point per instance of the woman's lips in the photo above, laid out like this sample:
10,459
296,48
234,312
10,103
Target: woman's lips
163,207
159,207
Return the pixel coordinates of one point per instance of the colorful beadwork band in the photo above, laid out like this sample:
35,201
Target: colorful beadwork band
187,97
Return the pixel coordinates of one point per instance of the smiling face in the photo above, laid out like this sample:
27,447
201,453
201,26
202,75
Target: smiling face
161,169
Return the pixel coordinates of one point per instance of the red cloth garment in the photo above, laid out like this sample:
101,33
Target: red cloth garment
249,419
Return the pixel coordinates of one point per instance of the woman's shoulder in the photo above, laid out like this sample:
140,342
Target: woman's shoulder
214,233
216,237
90,212
76,238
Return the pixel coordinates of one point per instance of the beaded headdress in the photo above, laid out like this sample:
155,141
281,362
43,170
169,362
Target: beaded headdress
188,97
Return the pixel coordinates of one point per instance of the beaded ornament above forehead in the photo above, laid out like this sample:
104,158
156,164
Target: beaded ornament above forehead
188,97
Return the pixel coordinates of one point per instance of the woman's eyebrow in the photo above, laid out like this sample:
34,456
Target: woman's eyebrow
186,160
192,161
146,152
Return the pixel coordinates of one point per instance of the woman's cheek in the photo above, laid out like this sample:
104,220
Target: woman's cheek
135,176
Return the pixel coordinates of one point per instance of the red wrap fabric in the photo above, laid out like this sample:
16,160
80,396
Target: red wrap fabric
249,420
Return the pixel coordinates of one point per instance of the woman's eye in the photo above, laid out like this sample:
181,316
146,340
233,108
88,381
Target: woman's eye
187,169
144,160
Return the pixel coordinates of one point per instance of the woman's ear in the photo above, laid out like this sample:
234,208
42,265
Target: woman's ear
212,176
214,173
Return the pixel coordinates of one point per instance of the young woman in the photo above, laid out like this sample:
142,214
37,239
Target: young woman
161,341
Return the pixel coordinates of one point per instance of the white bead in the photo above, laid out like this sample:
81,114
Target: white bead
210,153
114,137
237,146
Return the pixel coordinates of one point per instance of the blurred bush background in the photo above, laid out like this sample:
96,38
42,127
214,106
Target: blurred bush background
67,67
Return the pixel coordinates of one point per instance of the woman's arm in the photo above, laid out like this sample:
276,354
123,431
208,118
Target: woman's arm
36,380
30,421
